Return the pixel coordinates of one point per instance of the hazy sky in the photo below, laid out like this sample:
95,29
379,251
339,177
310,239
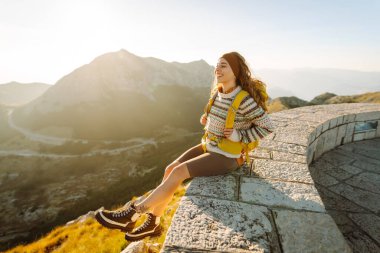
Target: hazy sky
43,40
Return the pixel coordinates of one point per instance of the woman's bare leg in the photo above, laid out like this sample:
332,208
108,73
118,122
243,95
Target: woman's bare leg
159,209
163,193
194,151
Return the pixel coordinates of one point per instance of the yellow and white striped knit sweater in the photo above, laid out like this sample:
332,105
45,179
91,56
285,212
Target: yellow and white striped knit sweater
251,121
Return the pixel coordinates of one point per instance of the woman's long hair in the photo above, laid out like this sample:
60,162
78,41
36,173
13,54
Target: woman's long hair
255,87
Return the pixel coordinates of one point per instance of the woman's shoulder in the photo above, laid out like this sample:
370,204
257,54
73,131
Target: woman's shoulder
249,106
247,102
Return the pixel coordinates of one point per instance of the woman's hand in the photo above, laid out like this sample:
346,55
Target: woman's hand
203,119
232,134
228,132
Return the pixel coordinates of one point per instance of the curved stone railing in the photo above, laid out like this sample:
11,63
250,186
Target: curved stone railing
273,206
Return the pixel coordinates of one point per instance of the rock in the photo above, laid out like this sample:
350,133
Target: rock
83,218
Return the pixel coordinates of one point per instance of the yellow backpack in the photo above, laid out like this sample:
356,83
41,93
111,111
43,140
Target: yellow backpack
226,144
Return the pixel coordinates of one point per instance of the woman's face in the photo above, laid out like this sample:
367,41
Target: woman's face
223,71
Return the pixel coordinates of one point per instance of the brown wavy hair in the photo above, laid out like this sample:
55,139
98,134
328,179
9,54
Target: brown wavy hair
255,87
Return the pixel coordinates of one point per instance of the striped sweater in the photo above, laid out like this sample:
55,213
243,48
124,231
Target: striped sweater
251,121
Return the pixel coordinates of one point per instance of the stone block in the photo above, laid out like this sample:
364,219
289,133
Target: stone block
341,134
364,126
288,157
310,152
366,180
340,120
370,223
318,130
312,136
333,123
349,118
297,172
222,186
378,129
359,137
325,126
308,232
350,128
361,197
319,147
349,133
300,138
338,158
330,139
368,116
283,147
260,153
207,224
276,193
370,135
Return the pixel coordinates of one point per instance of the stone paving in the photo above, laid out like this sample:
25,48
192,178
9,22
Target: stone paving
348,181
274,204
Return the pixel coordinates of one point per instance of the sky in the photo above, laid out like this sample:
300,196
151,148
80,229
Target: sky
43,40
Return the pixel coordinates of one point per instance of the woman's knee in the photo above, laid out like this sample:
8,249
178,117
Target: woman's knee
171,166
180,172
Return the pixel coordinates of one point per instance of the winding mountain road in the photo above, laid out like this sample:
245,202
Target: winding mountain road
52,140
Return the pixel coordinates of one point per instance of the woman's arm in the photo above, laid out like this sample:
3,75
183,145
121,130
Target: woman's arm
203,119
261,123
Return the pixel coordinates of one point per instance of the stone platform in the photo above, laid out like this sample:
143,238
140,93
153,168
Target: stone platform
348,180
274,205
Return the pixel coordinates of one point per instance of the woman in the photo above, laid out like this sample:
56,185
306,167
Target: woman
251,123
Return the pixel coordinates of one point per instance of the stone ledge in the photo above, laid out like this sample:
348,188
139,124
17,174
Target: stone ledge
275,193
313,232
212,224
221,187
274,207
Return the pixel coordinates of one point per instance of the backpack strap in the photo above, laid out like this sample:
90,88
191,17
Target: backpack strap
234,107
207,111
231,119
209,104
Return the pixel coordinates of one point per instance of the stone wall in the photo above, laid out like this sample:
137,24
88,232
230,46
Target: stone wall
273,205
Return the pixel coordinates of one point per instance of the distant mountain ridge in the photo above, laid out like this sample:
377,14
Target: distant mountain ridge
121,71
306,83
120,95
16,94
284,103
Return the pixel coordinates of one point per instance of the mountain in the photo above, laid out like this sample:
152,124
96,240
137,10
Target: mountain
284,103
306,83
370,97
122,71
120,95
15,94
321,99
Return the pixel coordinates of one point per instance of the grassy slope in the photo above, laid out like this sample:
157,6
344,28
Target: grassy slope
90,236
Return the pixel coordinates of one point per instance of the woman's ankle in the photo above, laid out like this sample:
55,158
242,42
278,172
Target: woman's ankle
156,214
142,208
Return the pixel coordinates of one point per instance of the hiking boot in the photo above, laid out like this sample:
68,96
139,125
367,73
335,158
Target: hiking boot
151,227
123,218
